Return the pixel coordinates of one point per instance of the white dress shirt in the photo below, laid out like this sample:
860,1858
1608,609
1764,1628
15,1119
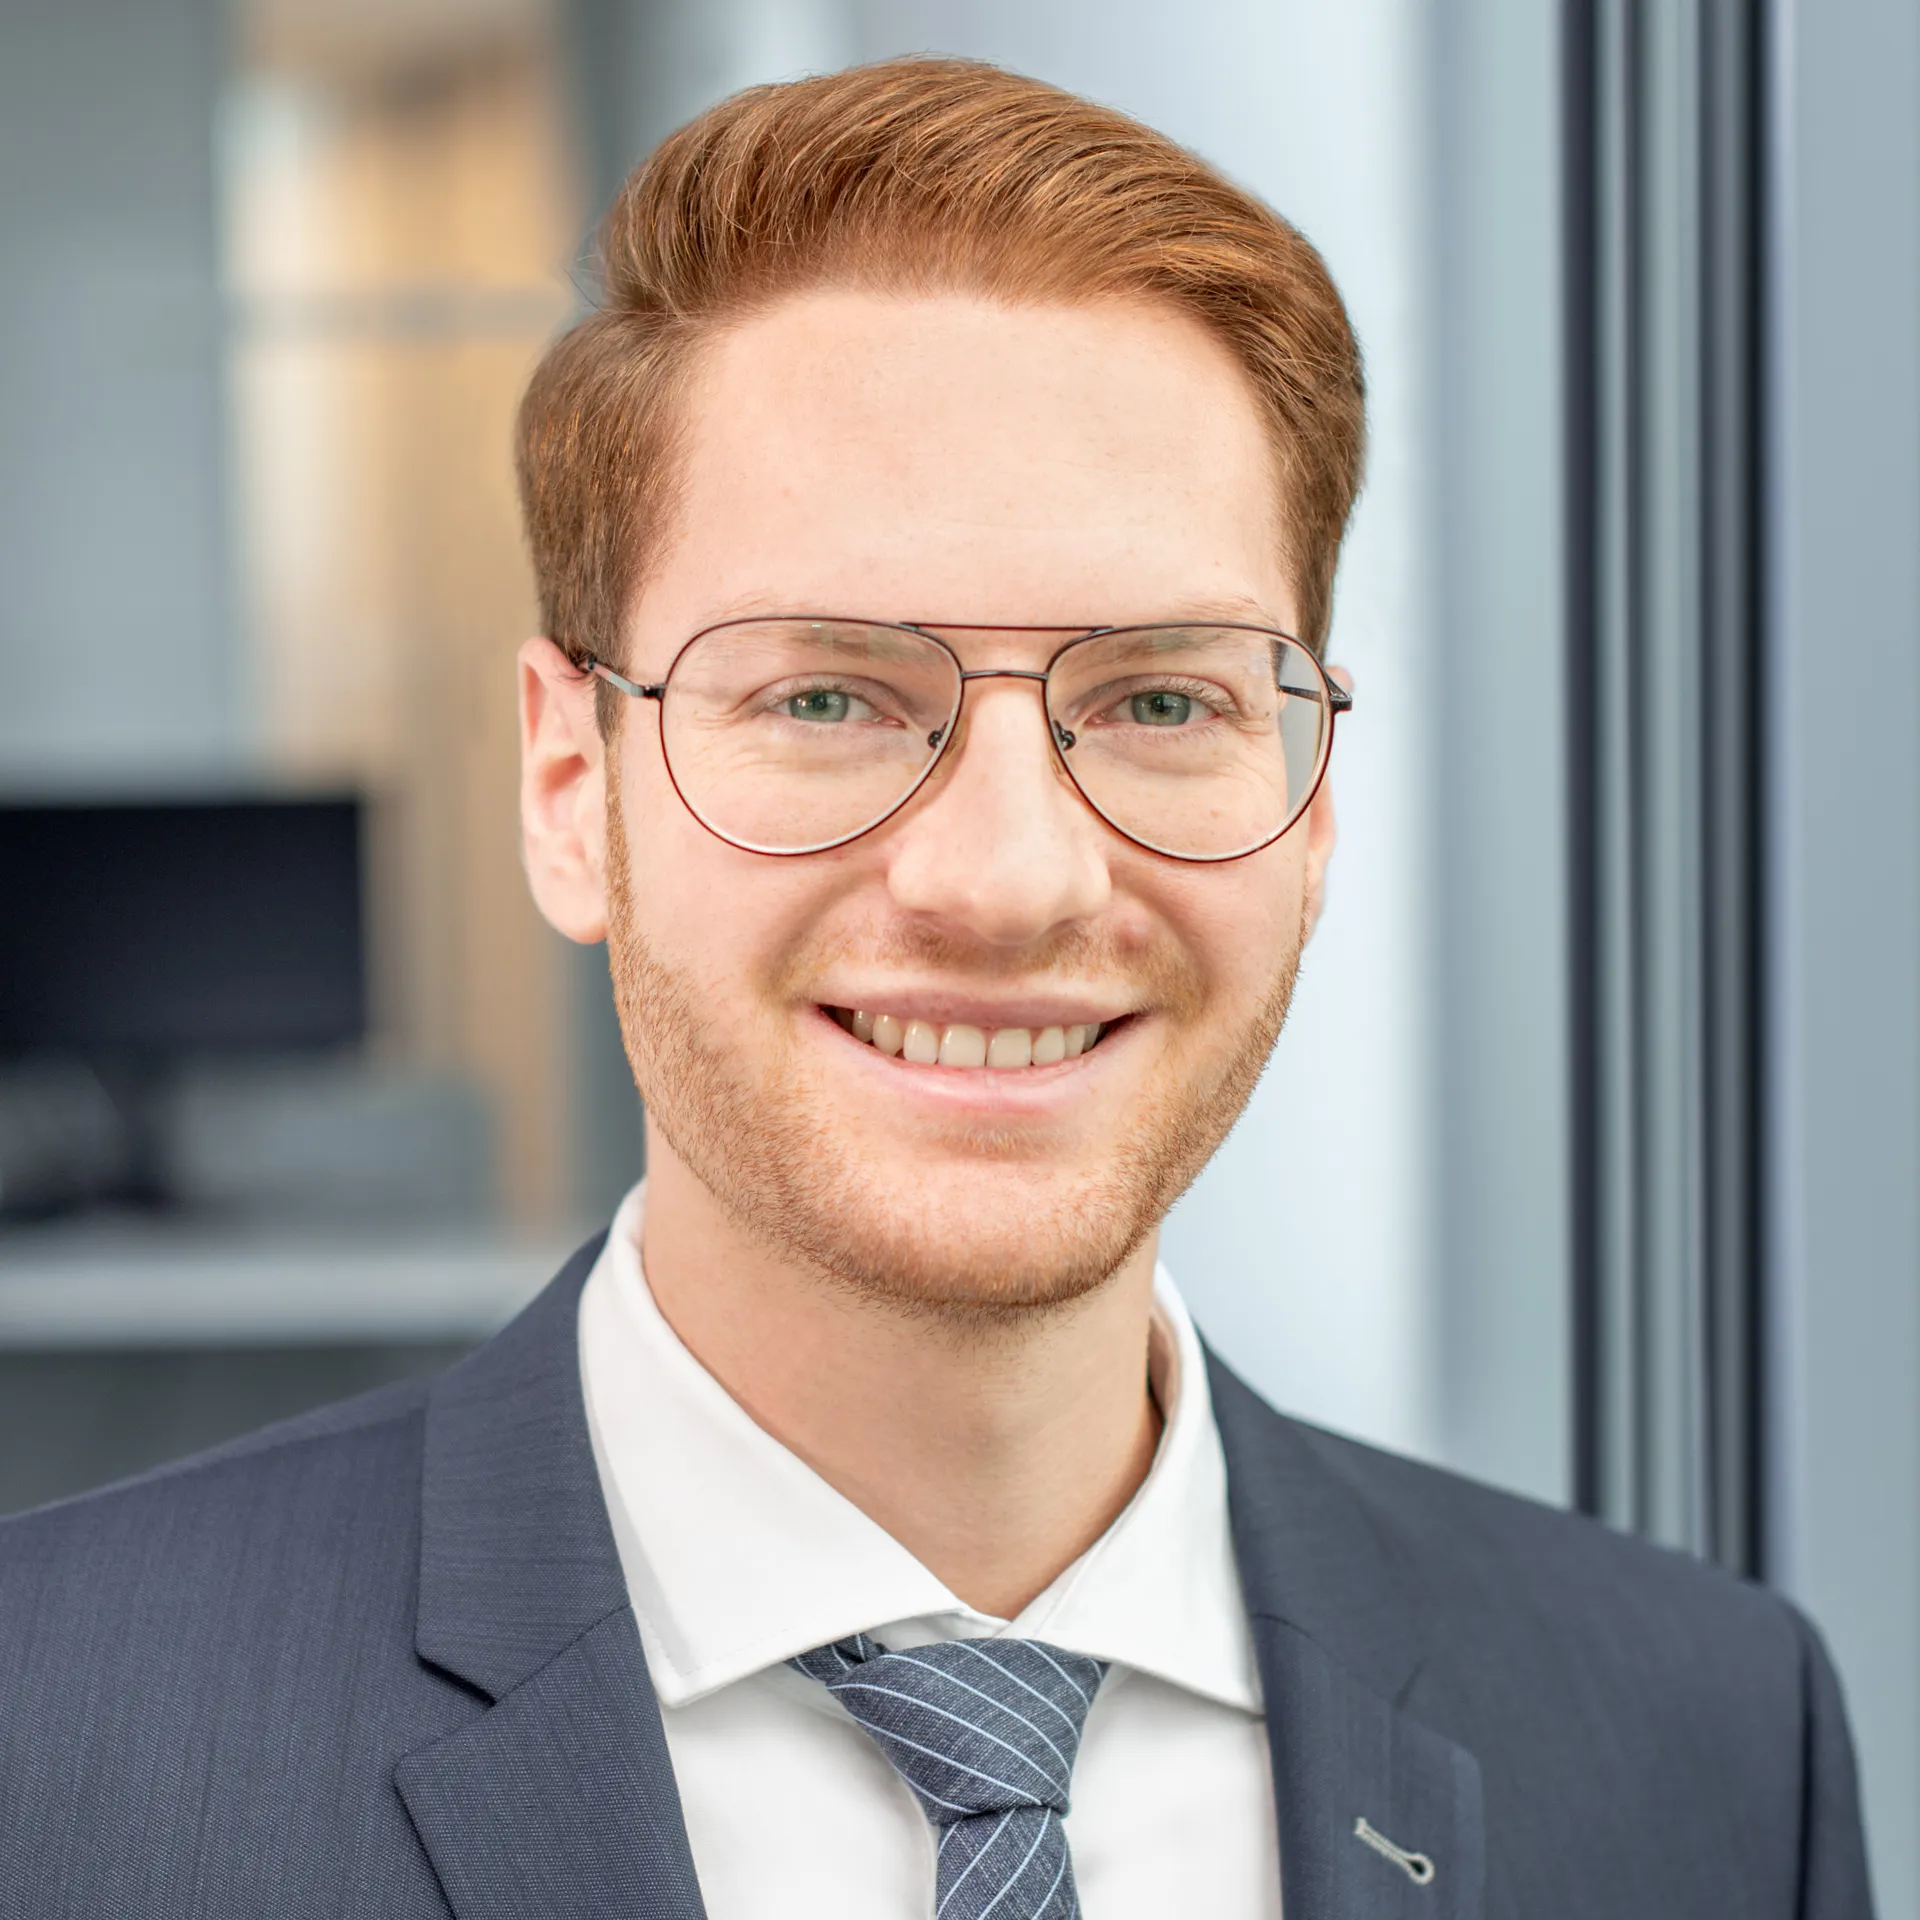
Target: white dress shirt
738,1555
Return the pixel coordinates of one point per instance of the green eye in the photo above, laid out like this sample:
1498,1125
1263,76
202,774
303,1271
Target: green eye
820,703
1161,709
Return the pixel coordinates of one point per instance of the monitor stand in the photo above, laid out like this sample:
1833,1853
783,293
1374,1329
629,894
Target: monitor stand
140,1089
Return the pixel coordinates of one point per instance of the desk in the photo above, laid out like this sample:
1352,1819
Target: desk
131,1284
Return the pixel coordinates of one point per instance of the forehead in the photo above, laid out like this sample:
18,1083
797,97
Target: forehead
953,458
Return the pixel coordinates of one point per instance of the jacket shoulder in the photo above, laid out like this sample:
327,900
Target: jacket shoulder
1669,1734
231,1635
1475,1548
261,1456
232,1533
1468,1548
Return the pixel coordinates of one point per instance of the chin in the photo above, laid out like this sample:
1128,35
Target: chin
945,1230
949,1262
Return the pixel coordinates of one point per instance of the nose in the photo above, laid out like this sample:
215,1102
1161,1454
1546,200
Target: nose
1000,848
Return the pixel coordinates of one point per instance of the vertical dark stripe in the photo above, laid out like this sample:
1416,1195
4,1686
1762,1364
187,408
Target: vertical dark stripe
1732,624
1625,1035
1749,1433
1725,731
1579,56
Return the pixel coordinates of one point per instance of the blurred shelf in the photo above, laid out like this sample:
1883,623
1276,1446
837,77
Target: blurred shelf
125,1284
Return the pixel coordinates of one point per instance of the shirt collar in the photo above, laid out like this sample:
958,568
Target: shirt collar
738,1555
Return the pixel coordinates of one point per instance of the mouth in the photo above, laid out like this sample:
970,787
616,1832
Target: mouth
924,1043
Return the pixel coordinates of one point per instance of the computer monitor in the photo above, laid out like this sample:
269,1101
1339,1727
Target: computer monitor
144,933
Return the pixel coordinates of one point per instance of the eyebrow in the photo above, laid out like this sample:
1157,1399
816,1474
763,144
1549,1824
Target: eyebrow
1232,610
1236,610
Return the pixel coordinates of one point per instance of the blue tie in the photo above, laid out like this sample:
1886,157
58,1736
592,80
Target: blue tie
985,1733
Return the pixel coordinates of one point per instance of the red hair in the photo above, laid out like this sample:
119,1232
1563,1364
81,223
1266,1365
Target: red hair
935,174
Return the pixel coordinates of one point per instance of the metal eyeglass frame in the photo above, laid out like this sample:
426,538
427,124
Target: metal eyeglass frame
1337,698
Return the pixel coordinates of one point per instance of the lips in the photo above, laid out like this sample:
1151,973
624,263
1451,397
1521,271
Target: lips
923,1043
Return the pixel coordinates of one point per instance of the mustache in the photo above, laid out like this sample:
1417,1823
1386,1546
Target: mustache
1074,956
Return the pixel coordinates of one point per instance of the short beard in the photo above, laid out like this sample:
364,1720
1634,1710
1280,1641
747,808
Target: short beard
753,1139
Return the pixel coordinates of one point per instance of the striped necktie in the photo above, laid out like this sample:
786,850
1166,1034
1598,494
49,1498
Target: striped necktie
985,1733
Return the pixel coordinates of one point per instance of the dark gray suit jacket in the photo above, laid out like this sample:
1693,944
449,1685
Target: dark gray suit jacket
380,1661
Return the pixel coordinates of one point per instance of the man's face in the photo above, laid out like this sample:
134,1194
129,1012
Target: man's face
948,460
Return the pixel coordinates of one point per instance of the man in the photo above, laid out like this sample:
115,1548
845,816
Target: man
936,527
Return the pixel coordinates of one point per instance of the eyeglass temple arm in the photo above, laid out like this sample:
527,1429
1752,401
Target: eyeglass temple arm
1338,699
625,685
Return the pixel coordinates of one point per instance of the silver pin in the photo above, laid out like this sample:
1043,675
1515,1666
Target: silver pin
1416,1866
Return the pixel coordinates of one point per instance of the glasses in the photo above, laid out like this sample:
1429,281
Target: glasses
793,735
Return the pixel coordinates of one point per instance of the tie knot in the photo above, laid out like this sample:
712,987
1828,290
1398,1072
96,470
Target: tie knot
972,1726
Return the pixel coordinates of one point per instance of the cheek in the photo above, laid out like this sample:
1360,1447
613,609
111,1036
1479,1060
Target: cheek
1241,922
732,925
670,861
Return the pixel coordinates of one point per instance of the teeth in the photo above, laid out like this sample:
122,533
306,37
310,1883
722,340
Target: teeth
926,1045
963,1047
1010,1047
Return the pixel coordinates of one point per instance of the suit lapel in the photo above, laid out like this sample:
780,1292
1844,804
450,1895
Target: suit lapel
559,1797
1343,1755
1338,1642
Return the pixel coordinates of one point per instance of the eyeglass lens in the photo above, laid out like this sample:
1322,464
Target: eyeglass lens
786,736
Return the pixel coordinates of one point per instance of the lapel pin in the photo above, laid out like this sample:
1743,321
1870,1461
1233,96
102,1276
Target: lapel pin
1416,1866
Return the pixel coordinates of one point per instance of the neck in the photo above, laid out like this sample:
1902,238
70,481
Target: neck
995,1454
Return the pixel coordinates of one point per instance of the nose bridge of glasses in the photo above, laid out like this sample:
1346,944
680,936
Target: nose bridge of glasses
1062,738
969,716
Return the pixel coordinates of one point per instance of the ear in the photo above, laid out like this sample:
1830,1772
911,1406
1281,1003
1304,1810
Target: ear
1321,831
563,793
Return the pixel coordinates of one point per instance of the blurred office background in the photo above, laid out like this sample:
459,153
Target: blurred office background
1590,1160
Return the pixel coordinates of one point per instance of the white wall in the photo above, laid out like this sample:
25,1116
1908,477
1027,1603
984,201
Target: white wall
1845,877
1502,1098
